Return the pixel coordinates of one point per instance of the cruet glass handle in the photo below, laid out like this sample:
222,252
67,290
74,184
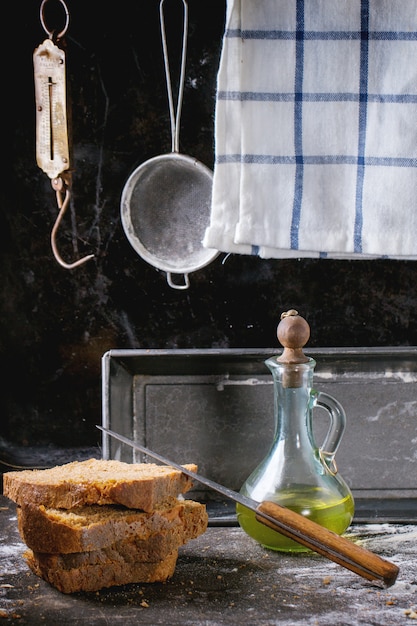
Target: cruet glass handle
336,429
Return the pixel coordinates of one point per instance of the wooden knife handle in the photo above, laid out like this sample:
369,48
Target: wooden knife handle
327,543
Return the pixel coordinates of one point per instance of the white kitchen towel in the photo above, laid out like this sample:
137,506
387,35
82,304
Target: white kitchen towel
316,130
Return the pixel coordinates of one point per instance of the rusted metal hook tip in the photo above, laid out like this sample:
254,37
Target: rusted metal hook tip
62,208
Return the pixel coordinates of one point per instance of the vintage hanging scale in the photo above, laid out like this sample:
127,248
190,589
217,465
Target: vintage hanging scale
52,149
296,473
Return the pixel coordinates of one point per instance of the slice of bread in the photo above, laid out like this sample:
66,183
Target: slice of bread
95,527
152,550
110,571
137,486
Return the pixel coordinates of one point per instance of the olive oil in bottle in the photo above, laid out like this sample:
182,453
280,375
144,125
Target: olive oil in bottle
335,516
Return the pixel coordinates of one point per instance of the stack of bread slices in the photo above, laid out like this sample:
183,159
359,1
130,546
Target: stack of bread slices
96,523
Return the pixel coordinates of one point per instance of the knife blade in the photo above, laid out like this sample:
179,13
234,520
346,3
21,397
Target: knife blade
291,524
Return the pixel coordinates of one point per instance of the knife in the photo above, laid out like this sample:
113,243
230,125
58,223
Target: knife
291,524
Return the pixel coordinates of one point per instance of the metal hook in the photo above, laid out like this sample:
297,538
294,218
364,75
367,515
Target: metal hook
58,185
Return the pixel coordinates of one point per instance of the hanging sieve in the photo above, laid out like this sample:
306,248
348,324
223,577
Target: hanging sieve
166,201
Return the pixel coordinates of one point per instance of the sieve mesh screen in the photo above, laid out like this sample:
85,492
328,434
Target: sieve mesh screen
169,203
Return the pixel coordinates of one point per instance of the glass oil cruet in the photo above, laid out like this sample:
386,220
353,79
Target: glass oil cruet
296,473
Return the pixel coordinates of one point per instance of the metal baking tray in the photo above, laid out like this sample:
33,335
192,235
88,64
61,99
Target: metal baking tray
215,408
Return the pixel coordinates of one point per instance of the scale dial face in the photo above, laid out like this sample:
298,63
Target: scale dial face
52,152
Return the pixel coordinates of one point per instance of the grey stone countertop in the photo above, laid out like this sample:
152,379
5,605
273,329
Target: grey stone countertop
224,577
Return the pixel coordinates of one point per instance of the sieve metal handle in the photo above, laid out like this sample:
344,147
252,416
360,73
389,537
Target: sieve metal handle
175,116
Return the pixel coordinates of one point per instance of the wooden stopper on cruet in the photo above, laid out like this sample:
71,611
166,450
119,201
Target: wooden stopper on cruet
293,332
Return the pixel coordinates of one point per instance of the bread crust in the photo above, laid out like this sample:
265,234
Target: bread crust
95,527
95,481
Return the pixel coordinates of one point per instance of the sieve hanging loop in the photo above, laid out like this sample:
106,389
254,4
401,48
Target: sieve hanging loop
63,196
175,284
52,33
175,116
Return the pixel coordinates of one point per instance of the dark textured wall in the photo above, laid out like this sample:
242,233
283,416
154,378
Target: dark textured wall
56,324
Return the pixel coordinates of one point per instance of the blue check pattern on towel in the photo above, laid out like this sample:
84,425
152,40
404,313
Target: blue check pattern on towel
316,130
